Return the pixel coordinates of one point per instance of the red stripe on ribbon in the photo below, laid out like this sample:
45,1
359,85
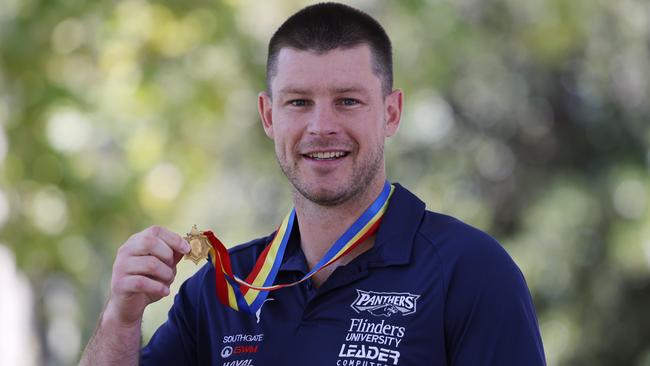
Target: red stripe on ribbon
223,268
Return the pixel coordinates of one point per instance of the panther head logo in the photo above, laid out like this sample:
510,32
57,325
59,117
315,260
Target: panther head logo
386,311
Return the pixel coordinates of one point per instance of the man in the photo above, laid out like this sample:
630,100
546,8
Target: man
425,289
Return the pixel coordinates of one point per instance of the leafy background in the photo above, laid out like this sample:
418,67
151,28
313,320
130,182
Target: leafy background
526,118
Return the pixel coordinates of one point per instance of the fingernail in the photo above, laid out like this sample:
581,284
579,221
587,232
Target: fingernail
187,246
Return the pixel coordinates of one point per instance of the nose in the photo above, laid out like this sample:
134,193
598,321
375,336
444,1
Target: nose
323,121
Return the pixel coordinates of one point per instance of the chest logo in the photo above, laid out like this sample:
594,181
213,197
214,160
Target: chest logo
385,303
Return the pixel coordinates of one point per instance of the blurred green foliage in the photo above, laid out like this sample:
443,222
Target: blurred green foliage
526,118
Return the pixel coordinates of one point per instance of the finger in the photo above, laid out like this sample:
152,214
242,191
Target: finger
174,240
151,267
177,258
138,284
145,245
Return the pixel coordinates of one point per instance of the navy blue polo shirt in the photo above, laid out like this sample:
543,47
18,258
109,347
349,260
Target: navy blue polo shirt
432,291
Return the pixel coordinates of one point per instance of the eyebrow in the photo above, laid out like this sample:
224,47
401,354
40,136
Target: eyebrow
350,89
337,90
293,90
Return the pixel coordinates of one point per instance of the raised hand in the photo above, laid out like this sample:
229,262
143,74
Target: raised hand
144,268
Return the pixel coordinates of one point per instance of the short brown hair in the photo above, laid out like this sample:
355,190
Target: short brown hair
327,26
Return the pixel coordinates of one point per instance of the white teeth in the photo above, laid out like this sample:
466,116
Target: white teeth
326,155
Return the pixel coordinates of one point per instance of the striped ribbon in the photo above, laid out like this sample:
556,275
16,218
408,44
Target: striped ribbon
248,295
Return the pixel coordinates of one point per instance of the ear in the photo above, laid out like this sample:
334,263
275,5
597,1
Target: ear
264,107
393,111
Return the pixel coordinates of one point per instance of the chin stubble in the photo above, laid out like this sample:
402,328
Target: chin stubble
360,180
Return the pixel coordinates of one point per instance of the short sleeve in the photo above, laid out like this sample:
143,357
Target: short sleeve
489,314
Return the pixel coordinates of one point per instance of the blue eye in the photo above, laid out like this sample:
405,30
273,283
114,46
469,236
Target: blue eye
298,102
349,102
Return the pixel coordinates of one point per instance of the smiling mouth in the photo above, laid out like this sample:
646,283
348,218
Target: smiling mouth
326,155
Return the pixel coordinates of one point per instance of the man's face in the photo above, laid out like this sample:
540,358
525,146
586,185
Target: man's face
329,119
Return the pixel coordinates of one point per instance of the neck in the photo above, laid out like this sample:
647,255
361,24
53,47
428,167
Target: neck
320,226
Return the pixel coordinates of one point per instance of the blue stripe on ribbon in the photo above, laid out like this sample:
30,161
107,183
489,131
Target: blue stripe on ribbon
353,230
241,300
262,295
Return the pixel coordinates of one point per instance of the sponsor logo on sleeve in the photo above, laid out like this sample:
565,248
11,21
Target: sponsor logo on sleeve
226,352
385,303
240,345
248,362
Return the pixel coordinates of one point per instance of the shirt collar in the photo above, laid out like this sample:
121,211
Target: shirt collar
398,228
394,239
294,258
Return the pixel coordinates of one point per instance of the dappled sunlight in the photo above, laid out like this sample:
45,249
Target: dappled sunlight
525,118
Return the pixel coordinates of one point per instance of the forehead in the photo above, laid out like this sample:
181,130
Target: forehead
335,69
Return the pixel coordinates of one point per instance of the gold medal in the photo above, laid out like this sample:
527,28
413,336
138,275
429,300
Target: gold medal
199,245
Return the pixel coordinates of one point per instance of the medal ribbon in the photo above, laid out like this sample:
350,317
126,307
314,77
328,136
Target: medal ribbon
248,295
